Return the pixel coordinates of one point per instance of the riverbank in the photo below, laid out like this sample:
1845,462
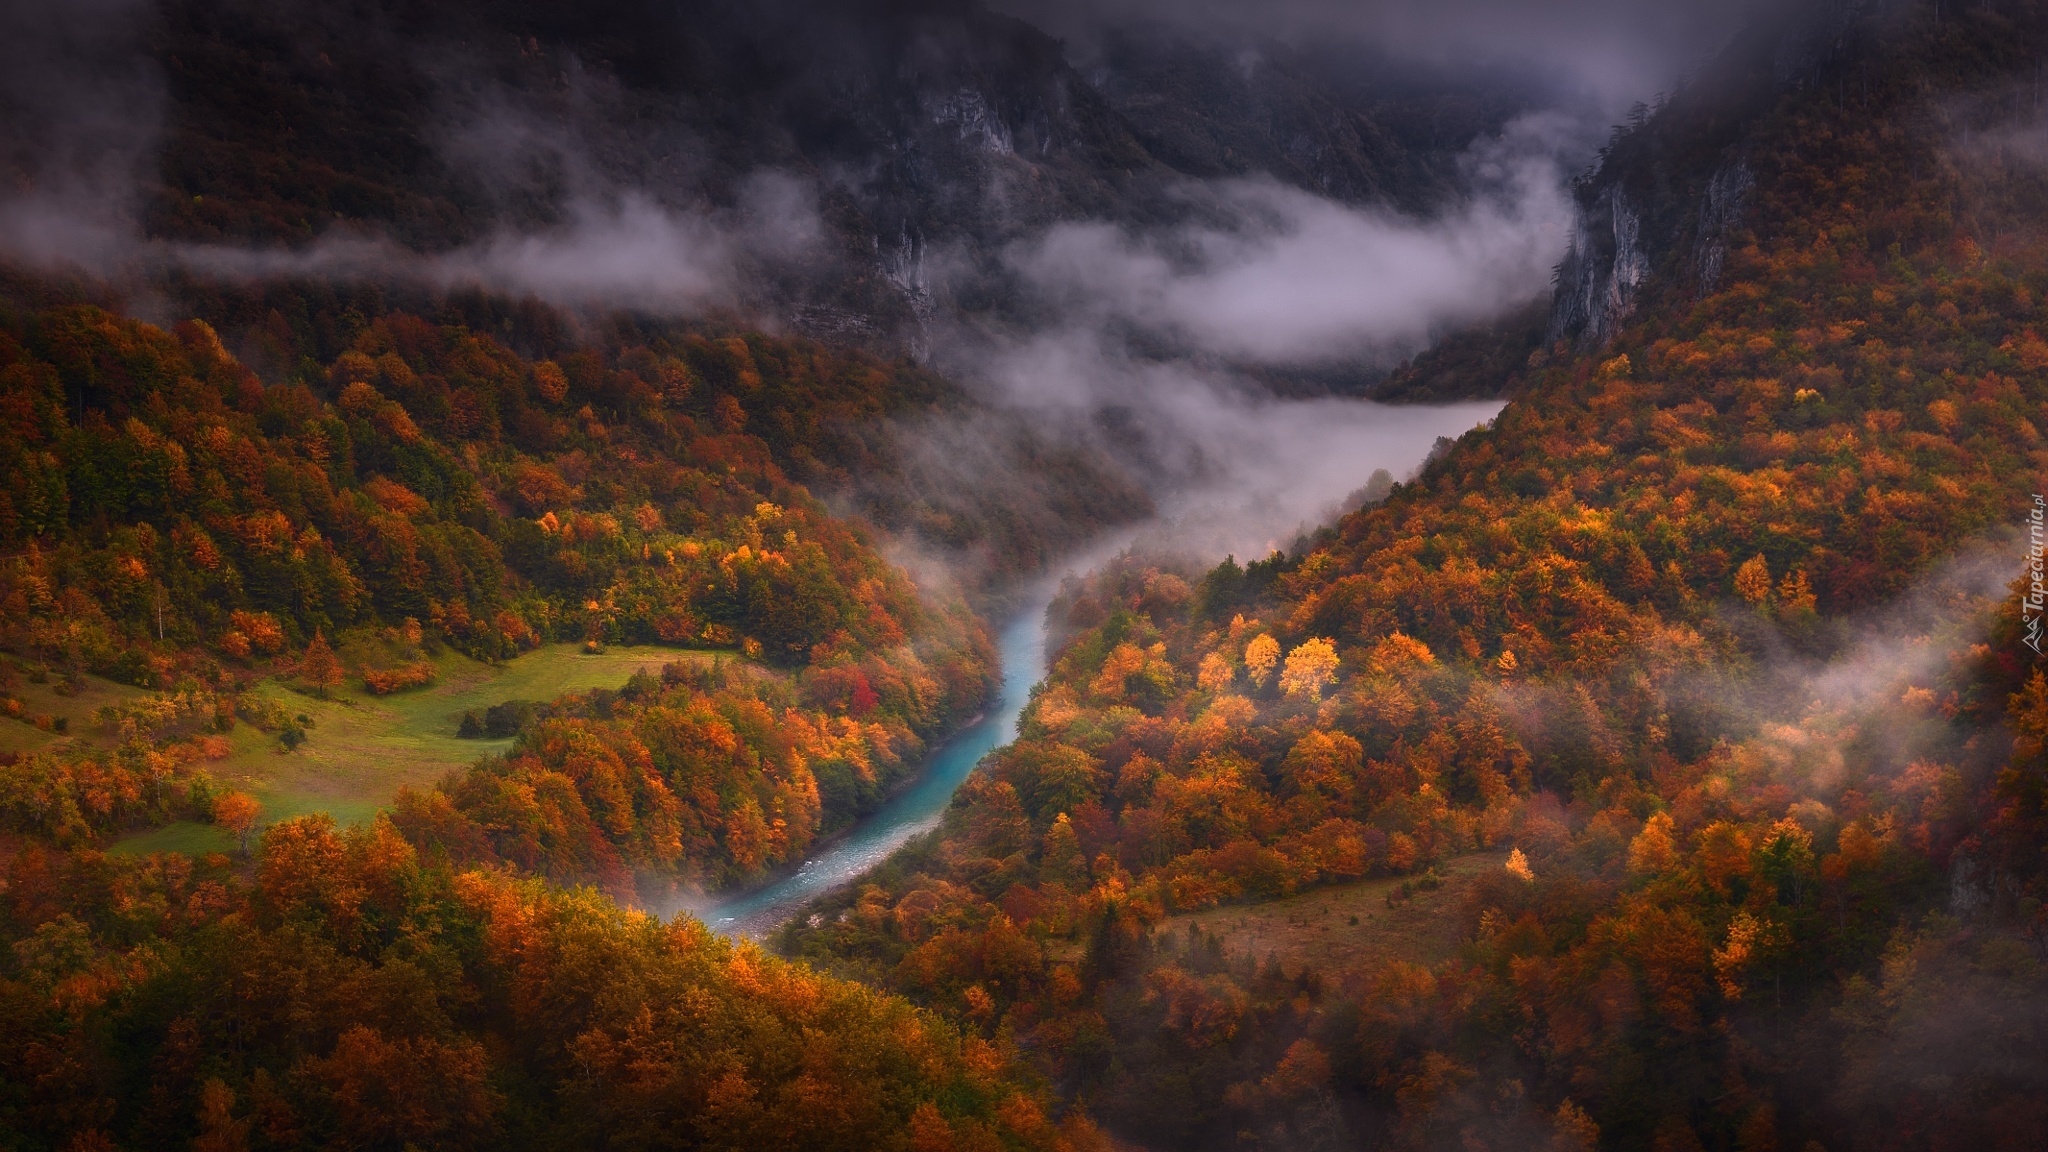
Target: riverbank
916,808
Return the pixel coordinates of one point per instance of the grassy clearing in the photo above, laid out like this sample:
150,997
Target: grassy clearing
184,836
1350,927
361,749
22,736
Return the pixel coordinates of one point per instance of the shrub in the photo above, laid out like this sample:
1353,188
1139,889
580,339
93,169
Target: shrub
383,682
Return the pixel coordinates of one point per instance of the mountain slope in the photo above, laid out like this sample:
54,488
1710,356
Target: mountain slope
175,524
1703,628
346,995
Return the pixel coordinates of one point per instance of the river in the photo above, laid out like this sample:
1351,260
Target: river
914,810
1286,467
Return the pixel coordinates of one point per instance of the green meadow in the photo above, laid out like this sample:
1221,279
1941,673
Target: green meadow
360,749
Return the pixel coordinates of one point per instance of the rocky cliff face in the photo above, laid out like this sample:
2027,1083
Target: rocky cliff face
1670,196
1609,261
1602,270
929,132
1720,218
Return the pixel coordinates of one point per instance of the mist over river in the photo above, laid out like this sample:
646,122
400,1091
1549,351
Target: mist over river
1290,468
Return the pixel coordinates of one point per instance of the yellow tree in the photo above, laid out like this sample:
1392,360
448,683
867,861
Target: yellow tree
1795,594
1061,858
1753,580
219,1131
552,381
1259,657
1572,1130
1654,849
1216,673
1311,668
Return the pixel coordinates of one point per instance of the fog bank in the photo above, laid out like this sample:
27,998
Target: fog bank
1275,275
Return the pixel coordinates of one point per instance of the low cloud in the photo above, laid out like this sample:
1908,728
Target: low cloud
1273,275
1865,686
60,230
1144,340
79,127
1230,468
1275,469
625,252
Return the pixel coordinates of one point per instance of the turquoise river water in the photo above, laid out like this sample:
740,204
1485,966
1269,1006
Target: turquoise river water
914,810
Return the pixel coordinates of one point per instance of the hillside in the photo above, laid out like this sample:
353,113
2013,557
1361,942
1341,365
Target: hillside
203,571
392,600
182,527
1663,765
1712,628
345,995
628,173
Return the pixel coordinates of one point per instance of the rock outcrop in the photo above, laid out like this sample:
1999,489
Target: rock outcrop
1601,272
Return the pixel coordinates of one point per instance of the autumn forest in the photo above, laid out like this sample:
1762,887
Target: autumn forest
487,488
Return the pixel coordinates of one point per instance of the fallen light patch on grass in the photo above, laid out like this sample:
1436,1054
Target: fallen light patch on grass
360,749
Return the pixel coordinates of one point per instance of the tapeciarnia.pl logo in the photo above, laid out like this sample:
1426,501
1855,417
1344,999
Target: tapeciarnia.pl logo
2037,573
